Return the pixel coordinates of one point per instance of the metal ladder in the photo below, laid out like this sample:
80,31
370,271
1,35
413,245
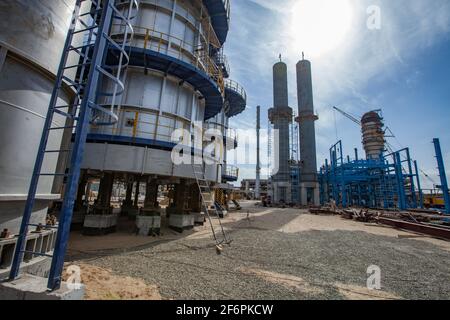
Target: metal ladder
93,26
209,205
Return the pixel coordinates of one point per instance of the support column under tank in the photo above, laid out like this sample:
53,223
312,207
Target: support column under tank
103,202
151,205
102,220
137,193
81,204
129,205
148,222
180,218
195,205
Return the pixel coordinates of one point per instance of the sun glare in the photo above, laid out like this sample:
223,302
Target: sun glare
319,26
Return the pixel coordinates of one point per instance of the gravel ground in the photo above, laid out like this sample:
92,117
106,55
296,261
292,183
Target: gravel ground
263,263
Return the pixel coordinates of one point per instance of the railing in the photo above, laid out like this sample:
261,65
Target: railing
146,125
197,55
236,87
221,59
231,171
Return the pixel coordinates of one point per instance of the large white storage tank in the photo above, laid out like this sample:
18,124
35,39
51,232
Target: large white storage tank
156,101
32,36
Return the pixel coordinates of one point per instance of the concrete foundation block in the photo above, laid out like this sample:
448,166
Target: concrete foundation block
42,242
199,218
181,222
148,225
100,224
30,287
38,267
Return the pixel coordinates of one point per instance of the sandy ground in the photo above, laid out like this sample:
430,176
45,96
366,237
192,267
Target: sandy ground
102,284
276,254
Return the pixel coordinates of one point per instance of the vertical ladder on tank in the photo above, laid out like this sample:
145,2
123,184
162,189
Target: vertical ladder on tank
93,25
209,205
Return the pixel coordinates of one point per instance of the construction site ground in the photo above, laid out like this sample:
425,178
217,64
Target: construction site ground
275,254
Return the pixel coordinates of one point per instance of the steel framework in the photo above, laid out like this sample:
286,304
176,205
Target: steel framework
389,182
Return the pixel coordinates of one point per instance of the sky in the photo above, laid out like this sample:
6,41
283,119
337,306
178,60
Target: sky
392,55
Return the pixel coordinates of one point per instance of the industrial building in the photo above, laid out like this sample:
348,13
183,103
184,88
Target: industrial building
132,73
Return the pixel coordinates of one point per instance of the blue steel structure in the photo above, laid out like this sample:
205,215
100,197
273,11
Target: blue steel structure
295,181
95,25
442,175
392,181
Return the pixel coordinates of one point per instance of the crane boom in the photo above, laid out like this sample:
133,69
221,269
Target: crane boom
358,122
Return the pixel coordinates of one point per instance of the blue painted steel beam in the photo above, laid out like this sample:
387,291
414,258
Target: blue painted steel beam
416,169
100,49
400,182
412,183
442,174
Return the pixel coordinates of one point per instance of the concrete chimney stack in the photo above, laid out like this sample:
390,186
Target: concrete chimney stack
309,186
281,117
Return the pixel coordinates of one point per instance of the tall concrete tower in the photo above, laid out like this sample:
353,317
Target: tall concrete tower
309,186
281,116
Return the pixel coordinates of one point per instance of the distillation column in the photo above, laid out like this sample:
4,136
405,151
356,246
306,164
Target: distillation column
309,186
281,116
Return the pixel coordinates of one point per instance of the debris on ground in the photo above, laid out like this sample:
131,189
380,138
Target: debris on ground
420,221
